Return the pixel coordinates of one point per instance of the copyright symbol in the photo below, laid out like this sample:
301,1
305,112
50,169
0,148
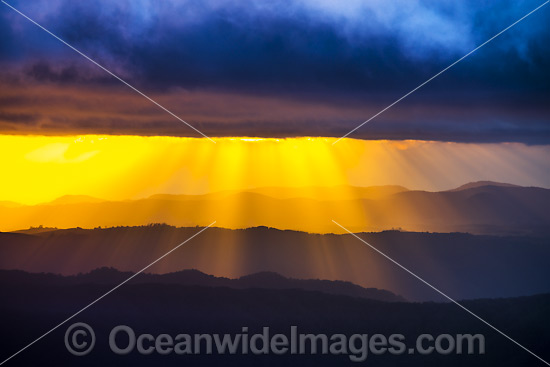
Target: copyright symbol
79,339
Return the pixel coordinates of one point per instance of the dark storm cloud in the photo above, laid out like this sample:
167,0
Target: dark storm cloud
354,56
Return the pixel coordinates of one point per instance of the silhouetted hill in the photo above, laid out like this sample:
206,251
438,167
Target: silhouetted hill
330,193
317,193
35,230
463,265
475,208
264,280
32,309
472,185
74,199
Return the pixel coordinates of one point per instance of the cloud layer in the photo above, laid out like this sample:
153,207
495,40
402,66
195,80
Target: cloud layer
278,68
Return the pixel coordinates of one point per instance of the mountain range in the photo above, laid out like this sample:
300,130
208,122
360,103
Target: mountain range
465,266
481,208
263,280
34,306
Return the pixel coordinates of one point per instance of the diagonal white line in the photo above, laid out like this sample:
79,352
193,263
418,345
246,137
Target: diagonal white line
442,71
110,72
438,291
109,292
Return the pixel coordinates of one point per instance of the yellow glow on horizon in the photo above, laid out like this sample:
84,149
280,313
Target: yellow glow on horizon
42,168
39,169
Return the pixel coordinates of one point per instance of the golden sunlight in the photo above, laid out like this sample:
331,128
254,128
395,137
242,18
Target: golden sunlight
240,182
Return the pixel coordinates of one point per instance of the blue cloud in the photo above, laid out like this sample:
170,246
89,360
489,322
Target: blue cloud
319,50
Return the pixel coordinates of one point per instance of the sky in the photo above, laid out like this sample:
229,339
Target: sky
278,69
39,169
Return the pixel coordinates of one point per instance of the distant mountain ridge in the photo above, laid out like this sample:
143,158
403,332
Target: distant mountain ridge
313,192
466,266
262,280
74,199
481,208
472,185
